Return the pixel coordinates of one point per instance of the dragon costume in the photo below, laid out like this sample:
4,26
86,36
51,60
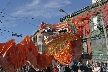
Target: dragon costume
63,45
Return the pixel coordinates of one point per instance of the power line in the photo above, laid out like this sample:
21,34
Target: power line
6,5
3,36
19,18
12,33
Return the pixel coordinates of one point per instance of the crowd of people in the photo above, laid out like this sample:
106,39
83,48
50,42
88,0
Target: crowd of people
78,66
74,66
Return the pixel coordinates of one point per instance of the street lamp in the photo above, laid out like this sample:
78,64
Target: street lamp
61,10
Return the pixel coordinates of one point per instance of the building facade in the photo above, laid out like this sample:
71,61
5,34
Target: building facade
93,33
38,38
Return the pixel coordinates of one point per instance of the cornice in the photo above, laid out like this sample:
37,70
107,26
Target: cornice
85,9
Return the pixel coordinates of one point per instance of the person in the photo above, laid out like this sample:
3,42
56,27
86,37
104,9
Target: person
1,69
48,69
105,69
31,69
101,66
59,67
63,68
89,67
97,67
67,69
82,67
25,68
44,70
75,67
54,68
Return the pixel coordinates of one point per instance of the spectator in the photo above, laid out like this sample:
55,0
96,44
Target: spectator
67,69
59,67
97,67
101,66
48,69
82,66
75,67
89,67
62,68
105,69
54,68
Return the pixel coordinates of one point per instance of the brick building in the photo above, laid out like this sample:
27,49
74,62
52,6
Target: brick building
93,34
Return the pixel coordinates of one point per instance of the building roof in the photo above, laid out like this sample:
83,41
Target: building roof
34,33
85,9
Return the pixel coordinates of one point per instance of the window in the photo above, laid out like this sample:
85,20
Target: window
34,39
95,22
85,47
43,47
74,29
40,39
40,48
40,36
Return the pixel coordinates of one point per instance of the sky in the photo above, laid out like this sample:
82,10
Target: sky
24,16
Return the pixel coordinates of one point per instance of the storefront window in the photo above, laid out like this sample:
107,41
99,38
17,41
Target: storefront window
84,47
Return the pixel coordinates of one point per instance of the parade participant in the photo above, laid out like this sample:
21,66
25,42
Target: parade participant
25,68
32,69
1,69
48,69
